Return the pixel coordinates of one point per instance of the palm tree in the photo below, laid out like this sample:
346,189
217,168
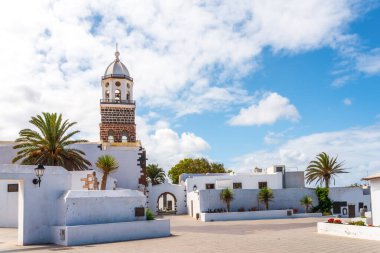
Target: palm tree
265,195
107,164
306,201
227,195
50,144
323,169
155,174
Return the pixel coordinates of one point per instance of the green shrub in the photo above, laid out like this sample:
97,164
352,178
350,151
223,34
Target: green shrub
357,223
324,202
149,214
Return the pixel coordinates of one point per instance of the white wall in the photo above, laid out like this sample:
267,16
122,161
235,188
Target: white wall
177,190
8,205
375,197
353,195
249,181
193,197
37,205
77,184
96,207
127,175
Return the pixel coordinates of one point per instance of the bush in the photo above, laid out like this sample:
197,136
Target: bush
324,202
149,214
357,223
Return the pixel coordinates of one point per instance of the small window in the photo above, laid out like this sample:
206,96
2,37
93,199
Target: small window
117,84
107,95
263,185
111,136
210,186
107,84
139,211
128,96
128,85
12,187
237,185
279,169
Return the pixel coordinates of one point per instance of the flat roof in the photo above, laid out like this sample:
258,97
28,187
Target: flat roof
377,175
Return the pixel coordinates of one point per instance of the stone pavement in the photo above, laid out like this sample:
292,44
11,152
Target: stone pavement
190,236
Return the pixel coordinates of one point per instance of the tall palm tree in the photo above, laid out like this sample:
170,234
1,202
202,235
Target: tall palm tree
306,201
155,174
107,164
323,169
265,195
50,144
227,195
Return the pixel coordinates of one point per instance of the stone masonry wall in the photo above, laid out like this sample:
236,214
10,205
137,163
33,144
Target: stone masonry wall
118,130
117,115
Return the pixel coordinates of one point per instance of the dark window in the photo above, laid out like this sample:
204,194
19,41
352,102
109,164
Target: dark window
139,211
263,185
361,205
12,187
237,186
337,206
210,186
278,169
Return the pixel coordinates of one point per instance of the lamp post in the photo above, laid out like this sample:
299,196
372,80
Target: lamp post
195,188
39,173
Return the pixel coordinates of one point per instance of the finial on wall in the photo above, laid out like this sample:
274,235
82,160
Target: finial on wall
117,52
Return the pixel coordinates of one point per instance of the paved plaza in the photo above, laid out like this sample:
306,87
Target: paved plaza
190,236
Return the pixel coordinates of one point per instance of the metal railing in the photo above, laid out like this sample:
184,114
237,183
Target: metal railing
117,101
117,76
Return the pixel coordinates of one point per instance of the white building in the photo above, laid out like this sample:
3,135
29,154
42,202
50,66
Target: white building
375,198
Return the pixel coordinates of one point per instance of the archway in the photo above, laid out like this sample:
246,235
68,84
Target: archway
166,204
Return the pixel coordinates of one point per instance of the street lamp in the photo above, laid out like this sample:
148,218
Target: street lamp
39,173
195,188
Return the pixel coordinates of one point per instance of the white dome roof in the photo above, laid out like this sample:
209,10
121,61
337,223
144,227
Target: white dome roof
116,68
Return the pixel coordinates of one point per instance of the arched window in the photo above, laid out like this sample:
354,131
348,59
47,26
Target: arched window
117,95
111,136
107,84
107,94
128,95
124,136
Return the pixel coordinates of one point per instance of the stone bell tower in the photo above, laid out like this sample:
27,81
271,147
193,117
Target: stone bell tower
117,107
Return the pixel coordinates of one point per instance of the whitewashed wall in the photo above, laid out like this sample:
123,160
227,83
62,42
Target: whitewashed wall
193,201
375,197
249,181
177,190
353,195
127,175
8,205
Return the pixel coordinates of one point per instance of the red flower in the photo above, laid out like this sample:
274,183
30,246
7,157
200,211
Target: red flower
337,221
331,220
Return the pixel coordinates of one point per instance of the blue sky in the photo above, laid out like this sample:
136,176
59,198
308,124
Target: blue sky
246,83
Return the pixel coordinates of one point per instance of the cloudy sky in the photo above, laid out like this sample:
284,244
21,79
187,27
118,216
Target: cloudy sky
247,83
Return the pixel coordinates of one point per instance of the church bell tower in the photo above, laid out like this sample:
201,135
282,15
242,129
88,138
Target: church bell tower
117,107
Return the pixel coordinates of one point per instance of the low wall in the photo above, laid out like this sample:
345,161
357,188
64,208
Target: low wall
359,232
110,232
257,215
306,215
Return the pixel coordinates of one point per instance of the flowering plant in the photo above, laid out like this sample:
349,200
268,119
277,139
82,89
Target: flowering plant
337,221
331,220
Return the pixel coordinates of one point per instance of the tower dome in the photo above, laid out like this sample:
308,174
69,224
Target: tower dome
117,69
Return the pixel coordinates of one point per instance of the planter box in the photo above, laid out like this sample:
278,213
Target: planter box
109,232
255,215
360,232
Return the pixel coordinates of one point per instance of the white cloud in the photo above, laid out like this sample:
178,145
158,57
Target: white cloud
268,110
347,101
358,147
165,146
369,63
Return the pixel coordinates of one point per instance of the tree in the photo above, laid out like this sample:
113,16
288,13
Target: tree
155,174
323,169
50,144
324,202
227,195
107,164
194,166
265,195
306,201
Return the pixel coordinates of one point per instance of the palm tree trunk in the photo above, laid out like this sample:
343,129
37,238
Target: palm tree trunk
327,182
104,181
267,205
228,207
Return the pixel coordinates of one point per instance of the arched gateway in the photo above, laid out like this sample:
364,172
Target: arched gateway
167,199
166,203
